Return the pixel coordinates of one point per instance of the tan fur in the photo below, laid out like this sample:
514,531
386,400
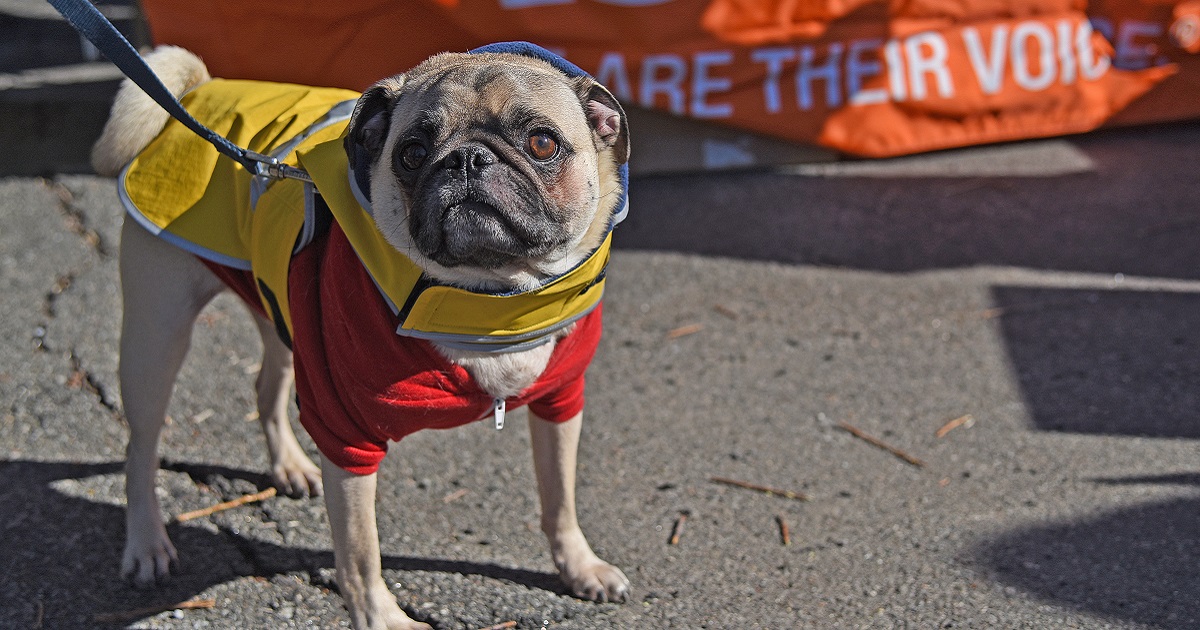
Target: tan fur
590,217
164,288
501,375
506,374
136,119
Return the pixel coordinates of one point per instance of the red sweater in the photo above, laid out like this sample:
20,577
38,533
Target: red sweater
360,385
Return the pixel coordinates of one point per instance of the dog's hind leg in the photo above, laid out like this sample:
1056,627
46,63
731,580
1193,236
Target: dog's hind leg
164,288
555,447
291,470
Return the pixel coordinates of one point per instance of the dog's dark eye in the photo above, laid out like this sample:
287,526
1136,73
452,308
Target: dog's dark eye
412,155
542,146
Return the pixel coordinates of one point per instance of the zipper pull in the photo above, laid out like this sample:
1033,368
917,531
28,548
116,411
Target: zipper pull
499,412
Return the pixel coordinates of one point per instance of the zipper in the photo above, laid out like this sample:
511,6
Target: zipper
498,406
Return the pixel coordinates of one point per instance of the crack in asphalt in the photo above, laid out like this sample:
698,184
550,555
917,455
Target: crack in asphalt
61,283
75,220
90,382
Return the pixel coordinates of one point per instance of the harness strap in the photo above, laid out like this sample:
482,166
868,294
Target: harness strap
90,23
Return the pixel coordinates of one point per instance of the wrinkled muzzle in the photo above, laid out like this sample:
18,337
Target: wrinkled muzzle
474,209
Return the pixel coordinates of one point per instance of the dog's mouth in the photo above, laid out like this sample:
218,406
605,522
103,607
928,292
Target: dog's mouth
474,232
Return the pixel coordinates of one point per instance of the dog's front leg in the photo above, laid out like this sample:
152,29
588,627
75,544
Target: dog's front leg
555,446
350,502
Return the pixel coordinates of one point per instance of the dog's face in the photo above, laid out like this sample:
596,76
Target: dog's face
490,171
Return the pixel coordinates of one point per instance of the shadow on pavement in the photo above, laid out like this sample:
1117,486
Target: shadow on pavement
1105,362
59,553
1089,361
1108,363
1137,564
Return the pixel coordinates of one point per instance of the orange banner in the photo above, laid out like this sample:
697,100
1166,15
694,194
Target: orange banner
865,77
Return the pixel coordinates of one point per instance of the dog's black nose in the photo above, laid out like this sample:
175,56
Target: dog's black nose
470,158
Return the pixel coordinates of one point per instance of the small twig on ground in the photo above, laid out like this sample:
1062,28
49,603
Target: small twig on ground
130,615
965,420
726,311
677,531
501,626
242,500
456,495
787,494
874,441
784,534
684,331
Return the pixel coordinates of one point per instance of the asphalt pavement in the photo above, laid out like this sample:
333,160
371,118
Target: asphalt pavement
1048,290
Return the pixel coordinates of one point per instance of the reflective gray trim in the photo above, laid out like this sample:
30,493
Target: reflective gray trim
178,241
132,209
622,213
358,193
383,294
308,231
260,183
258,187
337,113
512,343
494,348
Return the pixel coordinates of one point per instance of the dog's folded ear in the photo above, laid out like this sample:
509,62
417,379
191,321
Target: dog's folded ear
609,126
370,121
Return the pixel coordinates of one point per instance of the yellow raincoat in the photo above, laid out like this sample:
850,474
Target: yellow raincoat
183,190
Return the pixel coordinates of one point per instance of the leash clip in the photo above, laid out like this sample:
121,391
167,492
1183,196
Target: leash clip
270,167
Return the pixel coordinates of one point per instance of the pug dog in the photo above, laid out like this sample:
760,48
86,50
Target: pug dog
495,172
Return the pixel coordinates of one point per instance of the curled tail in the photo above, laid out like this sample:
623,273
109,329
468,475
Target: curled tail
136,119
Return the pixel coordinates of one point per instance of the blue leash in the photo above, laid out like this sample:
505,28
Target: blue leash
90,23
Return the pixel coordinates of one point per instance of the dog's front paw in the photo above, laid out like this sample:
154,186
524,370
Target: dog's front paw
583,572
393,620
408,624
597,581
149,558
375,608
